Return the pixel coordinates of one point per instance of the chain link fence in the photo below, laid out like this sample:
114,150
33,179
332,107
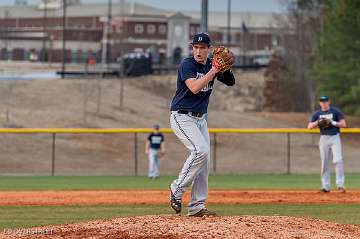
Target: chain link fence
122,152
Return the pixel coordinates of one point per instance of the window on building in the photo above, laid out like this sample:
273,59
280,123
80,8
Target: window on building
275,40
192,30
118,29
151,29
139,28
162,29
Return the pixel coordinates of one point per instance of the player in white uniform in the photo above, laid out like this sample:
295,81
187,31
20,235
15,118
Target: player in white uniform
330,143
155,148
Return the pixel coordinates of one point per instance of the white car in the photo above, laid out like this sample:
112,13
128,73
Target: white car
262,60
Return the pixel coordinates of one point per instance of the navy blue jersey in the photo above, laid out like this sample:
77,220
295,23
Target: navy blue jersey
184,99
333,114
155,140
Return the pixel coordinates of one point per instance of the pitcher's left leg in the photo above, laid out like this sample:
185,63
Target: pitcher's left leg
199,192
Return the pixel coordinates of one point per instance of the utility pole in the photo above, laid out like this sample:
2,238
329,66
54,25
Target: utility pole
63,40
44,31
109,32
5,31
229,23
204,15
105,53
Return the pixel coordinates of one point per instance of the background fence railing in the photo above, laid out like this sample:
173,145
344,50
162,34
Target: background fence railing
252,149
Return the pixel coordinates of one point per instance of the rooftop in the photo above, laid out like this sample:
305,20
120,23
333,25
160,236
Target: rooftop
216,19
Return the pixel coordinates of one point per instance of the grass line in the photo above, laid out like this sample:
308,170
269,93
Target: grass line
260,181
29,216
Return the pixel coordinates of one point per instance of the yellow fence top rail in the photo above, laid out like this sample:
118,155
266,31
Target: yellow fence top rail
164,130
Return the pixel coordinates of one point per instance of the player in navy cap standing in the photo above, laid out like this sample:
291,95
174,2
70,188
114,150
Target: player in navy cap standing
188,119
155,148
330,143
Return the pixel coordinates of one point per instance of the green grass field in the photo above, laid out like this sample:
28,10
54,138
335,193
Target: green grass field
261,181
28,216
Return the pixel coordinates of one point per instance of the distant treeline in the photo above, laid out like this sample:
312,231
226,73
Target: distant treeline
337,65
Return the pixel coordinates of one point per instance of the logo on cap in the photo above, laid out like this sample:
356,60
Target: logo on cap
324,98
201,38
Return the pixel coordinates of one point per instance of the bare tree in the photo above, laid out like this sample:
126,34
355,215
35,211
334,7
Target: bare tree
303,24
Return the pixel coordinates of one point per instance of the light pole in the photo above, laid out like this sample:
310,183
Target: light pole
44,31
204,15
229,23
109,32
105,52
6,43
63,40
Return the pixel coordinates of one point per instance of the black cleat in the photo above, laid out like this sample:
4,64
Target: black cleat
341,189
175,203
323,190
204,213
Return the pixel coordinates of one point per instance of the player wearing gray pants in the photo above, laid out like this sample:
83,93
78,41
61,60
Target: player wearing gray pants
155,148
330,148
154,163
330,143
196,76
193,133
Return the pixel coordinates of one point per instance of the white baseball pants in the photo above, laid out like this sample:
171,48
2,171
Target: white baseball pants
154,163
193,133
330,148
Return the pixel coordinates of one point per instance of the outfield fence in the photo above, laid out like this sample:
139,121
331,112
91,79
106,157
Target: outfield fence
55,151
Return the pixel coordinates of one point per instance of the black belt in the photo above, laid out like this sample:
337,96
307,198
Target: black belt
195,114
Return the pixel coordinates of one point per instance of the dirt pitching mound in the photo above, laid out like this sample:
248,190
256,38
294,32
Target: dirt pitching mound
171,227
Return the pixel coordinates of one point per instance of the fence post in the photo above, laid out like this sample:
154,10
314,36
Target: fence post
136,153
53,155
288,170
122,78
214,160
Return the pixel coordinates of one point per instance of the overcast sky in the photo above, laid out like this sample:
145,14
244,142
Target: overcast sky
218,5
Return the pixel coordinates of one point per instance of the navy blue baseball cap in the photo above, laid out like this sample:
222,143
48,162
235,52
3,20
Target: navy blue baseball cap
156,126
324,98
201,38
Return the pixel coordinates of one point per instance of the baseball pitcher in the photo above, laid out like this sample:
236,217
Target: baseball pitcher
329,119
188,119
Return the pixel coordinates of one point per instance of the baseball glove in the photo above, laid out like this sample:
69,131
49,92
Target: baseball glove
222,59
324,123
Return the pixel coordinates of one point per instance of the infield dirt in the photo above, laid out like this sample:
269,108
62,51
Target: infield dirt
172,227
155,197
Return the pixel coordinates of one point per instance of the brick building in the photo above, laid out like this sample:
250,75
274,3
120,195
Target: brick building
38,30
